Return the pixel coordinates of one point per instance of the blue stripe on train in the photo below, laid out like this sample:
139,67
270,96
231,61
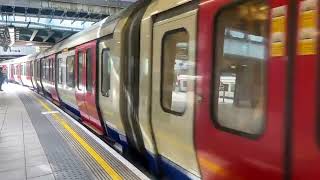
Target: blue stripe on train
169,168
119,138
174,171
71,109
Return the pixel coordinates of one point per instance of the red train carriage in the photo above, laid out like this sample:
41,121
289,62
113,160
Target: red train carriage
267,130
211,89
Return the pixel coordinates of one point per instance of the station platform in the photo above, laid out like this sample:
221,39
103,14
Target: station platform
38,141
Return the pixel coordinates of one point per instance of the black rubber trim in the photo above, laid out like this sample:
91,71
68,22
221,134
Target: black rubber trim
173,31
291,51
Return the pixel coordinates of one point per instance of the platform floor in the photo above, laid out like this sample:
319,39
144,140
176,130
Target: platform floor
38,141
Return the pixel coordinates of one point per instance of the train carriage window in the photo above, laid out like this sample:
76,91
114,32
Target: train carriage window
80,65
105,72
53,70
44,72
60,71
89,70
48,69
175,66
240,62
31,68
70,71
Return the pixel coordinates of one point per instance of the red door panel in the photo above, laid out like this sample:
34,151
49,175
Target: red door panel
225,153
305,127
86,94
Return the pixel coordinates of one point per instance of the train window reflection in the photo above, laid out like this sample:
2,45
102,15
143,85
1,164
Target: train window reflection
105,71
88,70
175,71
60,69
80,65
70,72
240,75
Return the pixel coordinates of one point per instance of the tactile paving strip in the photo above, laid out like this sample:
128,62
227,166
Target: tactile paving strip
64,162
117,165
95,168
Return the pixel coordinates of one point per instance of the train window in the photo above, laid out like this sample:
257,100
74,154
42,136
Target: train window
175,65
80,65
70,71
47,69
31,68
240,61
43,64
53,70
60,71
105,72
89,70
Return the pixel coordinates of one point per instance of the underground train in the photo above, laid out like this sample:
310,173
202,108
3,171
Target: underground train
211,89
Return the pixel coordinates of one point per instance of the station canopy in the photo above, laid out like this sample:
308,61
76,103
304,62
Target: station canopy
46,22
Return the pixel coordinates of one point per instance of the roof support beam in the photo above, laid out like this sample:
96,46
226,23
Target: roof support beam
50,33
62,16
34,33
39,13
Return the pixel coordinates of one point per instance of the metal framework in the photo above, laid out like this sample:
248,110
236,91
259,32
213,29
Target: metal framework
51,21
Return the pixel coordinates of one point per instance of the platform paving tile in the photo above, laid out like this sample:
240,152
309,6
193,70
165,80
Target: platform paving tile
45,177
11,165
21,154
38,170
16,174
36,160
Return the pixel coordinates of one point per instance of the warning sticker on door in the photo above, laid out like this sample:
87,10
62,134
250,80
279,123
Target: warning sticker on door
307,32
278,31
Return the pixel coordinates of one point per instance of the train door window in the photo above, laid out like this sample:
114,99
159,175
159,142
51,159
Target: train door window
47,69
31,68
53,70
24,69
89,70
60,71
175,66
241,60
105,72
70,71
80,65
44,71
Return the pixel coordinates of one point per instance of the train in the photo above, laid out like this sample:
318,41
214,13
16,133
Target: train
196,89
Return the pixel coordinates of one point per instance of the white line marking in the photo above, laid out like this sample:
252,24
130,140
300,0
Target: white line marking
50,112
99,141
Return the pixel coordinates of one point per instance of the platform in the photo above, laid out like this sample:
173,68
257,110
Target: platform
39,141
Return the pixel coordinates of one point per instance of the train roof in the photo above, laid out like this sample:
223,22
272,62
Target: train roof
98,30
21,59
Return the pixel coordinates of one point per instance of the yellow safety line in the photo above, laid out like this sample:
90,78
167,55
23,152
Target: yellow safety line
84,144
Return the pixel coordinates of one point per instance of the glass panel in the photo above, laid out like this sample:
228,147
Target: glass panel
50,69
59,67
240,67
175,71
106,69
53,70
88,70
70,71
80,65
31,68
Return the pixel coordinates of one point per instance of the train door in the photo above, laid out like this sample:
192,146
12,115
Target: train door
87,83
172,109
305,98
243,45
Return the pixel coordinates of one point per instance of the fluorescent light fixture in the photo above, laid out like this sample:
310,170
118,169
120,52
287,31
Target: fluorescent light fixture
29,44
